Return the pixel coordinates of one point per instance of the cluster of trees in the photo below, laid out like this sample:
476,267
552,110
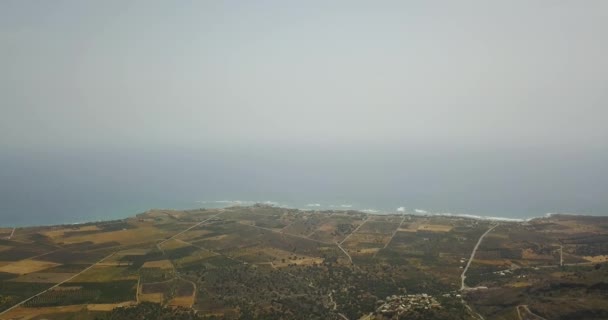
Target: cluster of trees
149,311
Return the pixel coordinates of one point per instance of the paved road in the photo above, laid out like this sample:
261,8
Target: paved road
463,276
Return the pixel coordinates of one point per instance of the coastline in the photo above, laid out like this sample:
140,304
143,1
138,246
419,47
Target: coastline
316,208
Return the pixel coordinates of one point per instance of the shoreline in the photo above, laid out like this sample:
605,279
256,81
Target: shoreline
416,212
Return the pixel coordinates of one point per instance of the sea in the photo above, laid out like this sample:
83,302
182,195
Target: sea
49,186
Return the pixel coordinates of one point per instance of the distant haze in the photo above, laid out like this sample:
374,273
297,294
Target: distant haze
482,107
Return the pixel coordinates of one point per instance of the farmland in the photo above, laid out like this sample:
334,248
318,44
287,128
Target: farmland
275,263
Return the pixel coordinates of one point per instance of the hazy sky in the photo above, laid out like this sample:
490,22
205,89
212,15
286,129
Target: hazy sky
485,107
432,73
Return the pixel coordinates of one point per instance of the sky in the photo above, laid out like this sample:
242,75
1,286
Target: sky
468,82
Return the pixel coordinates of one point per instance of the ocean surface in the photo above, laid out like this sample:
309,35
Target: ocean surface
45,187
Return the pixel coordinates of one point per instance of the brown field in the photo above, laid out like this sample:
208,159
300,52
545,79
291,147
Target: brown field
116,259
368,250
497,262
27,266
43,277
162,264
133,252
435,227
217,238
173,244
301,261
195,256
2,248
185,302
327,227
151,297
31,313
529,254
378,239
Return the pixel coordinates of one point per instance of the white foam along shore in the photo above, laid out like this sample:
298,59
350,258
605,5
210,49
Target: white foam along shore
400,210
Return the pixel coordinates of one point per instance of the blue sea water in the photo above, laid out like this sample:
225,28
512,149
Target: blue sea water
45,187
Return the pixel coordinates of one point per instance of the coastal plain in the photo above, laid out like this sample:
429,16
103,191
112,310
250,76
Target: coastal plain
265,262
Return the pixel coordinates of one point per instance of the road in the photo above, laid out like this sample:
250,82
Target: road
208,250
357,228
188,229
57,285
463,286
529,316
346,253
12,233
94,264
288,234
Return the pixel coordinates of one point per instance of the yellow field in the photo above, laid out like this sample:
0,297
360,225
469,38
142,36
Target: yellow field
130,236
596,259
27,266
44,277
435,227
59,233
108,306
173,244
163,264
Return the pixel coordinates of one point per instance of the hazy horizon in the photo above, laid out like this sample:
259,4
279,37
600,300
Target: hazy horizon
490,108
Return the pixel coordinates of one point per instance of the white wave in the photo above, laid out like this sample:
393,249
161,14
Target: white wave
370,210
401,209
313,205
346,206
420,211
472,216
550,214
234,201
